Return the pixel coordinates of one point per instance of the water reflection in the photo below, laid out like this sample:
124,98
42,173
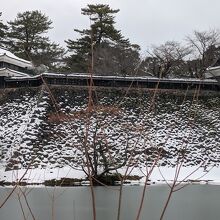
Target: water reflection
194,202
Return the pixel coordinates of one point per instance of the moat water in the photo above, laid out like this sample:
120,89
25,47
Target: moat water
194,202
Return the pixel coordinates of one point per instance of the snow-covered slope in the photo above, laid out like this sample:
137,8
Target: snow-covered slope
133,127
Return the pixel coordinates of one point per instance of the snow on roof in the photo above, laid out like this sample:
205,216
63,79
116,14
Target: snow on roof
213,68
4,54
86,75
212,72
10,72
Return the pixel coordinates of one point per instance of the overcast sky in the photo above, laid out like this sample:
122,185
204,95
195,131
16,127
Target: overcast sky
144,22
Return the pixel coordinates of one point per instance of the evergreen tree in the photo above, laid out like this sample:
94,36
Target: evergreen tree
49,54
3,32
105,39
28,40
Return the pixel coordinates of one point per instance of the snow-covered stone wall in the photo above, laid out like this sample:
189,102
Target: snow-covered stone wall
54,128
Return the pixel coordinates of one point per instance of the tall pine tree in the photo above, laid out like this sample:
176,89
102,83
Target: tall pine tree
104,37
28,40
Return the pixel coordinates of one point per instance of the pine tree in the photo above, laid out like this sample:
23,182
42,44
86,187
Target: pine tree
28,40
3,33
102,28
102,34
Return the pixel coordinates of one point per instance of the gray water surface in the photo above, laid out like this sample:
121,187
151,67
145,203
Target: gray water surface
194,202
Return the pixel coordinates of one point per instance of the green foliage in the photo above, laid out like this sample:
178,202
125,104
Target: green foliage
50,54
102,29
110,48
26,32
28,40
3,33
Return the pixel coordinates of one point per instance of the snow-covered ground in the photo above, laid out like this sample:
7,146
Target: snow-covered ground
134,126
160,175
